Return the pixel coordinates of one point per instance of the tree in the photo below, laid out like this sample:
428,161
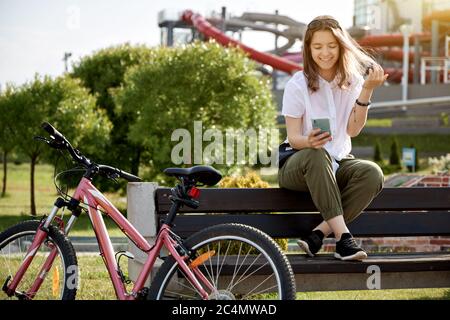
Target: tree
64,103
101,72
199,82
394,157
6,136
378,155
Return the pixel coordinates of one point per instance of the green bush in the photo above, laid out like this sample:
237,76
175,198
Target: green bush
394,157
444,119
378,155
423,142
65,104
389,168
101,72
441,164
198,82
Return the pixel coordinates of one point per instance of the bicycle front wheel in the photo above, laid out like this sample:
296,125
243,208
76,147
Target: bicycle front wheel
59,282
239,261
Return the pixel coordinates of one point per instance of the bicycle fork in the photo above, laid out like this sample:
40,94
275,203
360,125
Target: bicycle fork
39,238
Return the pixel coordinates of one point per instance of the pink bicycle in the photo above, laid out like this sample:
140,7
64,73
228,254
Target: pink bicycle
227,261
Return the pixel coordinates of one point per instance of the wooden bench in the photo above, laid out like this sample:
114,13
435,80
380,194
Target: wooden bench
402,212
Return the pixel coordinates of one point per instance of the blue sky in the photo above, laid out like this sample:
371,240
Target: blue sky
34,34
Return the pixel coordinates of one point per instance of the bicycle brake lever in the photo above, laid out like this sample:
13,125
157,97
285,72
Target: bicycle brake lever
112,176
39,138
51,142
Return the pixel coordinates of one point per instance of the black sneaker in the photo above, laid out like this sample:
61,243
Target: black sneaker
312,243
347,249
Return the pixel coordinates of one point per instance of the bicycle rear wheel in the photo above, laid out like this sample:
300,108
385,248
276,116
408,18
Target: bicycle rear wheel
241,262
60,282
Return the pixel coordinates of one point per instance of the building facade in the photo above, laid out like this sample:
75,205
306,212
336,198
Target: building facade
386,16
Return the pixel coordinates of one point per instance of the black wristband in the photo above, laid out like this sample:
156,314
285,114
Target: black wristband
363,104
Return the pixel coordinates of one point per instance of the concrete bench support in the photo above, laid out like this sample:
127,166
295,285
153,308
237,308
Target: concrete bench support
141,212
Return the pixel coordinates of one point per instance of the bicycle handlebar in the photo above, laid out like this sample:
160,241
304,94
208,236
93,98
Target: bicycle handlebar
59,141
52,131
110,171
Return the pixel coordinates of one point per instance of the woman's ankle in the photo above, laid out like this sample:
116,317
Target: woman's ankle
319,233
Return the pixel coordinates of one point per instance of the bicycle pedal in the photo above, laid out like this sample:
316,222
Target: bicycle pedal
142,294
5,285
10,293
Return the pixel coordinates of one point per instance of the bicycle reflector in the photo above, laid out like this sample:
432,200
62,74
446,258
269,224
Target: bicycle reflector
194,193
55,281
201,258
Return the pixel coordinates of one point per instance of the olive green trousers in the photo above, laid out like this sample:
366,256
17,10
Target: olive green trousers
347,193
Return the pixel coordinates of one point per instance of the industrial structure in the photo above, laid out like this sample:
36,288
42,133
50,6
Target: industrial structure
406,40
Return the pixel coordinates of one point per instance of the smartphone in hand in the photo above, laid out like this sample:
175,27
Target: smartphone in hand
323,124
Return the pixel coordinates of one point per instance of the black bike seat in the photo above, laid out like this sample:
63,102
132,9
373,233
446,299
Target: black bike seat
203,174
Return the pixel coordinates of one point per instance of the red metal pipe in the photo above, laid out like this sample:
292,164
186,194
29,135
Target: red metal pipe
397,54
391,40
202,25
210,31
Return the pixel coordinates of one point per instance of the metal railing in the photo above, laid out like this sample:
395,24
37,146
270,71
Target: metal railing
412,102
440,64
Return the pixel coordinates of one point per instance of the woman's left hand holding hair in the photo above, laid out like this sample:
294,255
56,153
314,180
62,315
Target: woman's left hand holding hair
375,78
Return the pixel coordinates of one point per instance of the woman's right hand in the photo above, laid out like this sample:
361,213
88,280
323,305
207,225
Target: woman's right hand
316,140
375,77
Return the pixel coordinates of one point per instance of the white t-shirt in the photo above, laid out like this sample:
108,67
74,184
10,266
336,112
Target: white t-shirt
329,101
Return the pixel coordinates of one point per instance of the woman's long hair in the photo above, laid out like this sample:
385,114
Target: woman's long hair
352,58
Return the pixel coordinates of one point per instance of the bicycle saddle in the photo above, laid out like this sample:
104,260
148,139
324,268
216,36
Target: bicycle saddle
203,174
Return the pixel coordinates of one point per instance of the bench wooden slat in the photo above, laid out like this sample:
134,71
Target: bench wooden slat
282,200
326,263
294,225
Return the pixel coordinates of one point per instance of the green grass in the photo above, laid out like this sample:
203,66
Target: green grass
397,294
15,206
379,123
17,199
95,284
82,227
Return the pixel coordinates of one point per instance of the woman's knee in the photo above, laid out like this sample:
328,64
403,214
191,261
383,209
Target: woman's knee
372,174
311,156
304,159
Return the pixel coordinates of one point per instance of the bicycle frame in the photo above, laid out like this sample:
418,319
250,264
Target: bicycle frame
88,194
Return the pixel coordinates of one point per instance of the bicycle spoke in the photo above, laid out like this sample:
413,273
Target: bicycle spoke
210,275
235,266
248,266
245,258
259,292
218,255
240,279
223,260
178,294
192,288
